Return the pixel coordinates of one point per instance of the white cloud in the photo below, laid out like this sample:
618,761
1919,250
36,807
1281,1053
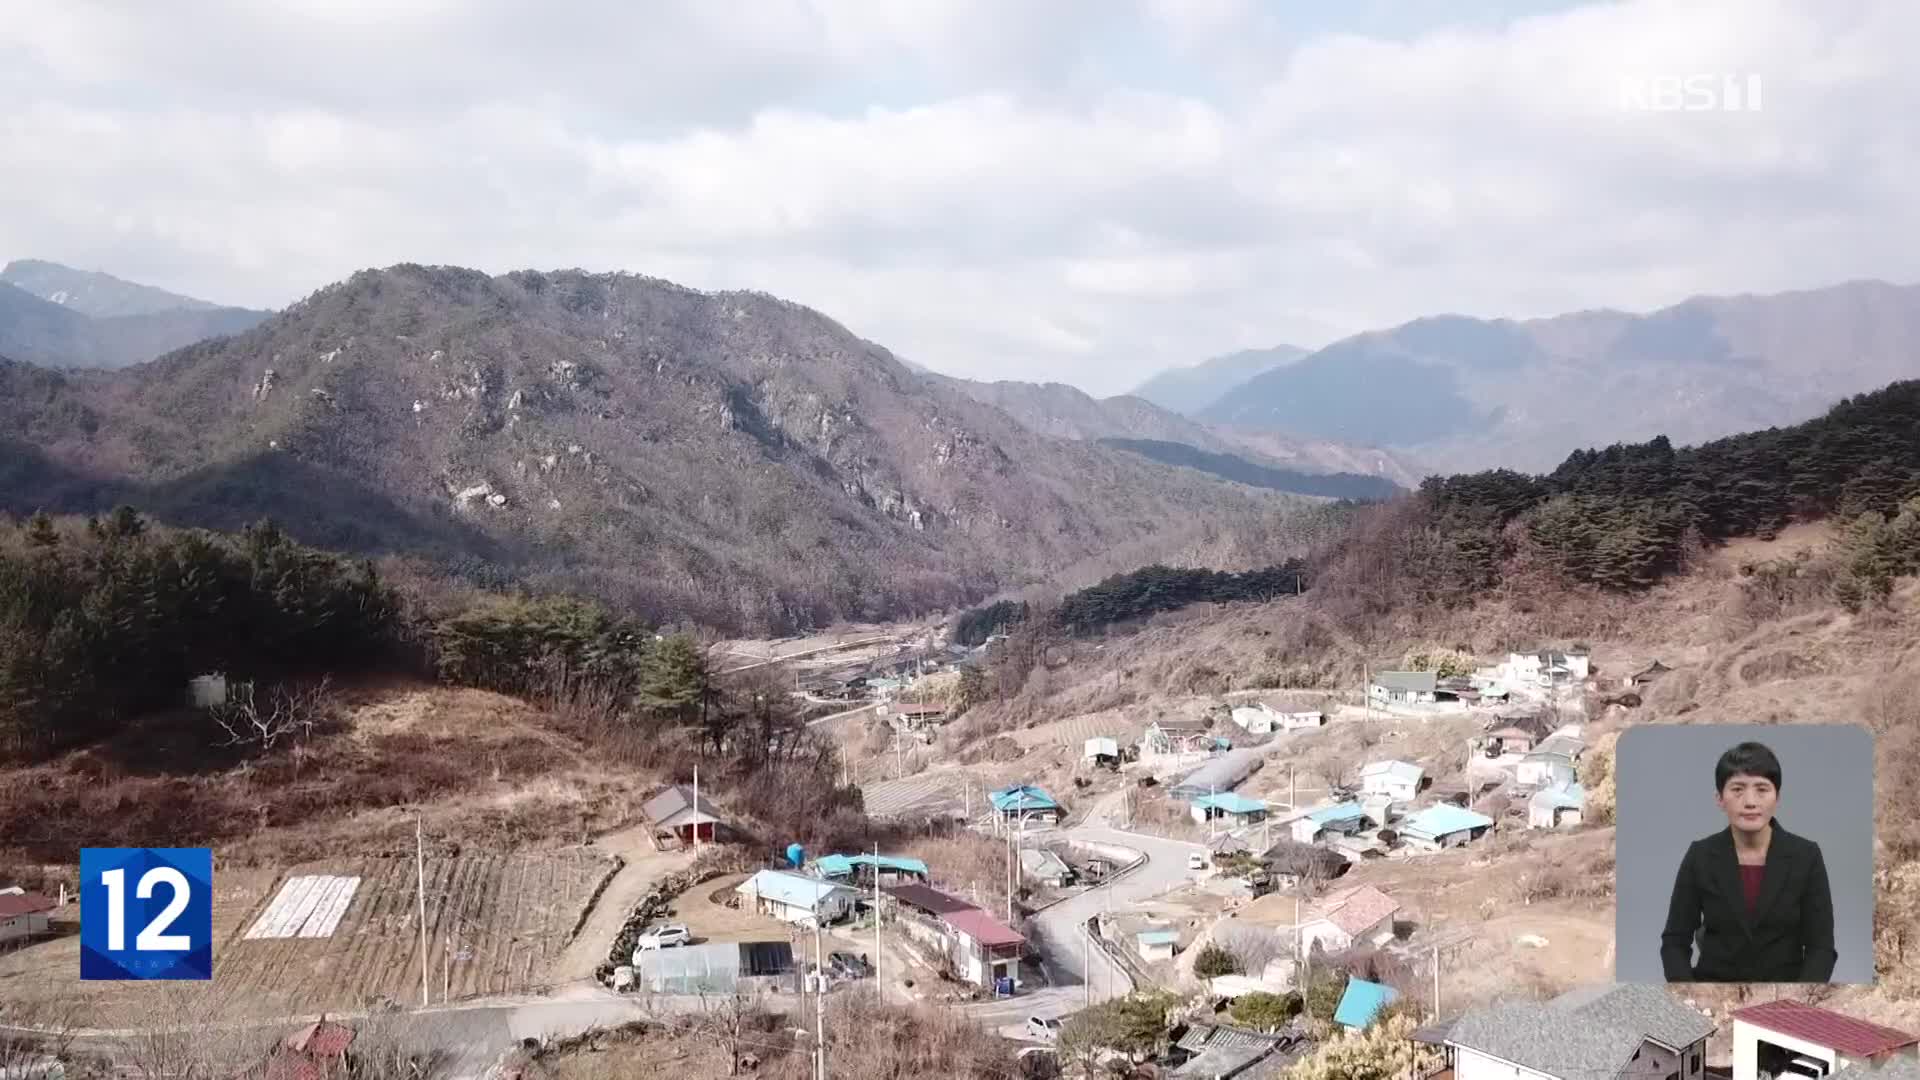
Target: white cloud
995,189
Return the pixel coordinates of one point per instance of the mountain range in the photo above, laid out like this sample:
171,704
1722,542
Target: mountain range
56,316
729,459
1467,393
1192,389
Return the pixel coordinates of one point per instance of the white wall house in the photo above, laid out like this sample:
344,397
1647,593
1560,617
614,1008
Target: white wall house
1398,780
1629,1032
1359,915
796,898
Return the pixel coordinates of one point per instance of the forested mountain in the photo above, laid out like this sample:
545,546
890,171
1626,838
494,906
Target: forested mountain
729,458
1468,393
1191,390
52,335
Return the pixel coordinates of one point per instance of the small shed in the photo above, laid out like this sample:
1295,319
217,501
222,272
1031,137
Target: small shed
674,812
719,967
1158,944
1039,864
1442,826
1254,719
1102,749
1361,1002
1235,808
207,691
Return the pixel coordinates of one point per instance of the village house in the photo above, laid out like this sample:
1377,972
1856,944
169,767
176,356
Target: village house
1772,1035
1556,807
980,949
317,1051
1346,817
914,716
1165,738
1230,807
861,869
1626,1031
1102,750
1443,826
1025,804
1302,721
1254,719
796,898
1357,915
1290,863
1398,780
1213,1052
1156,944
1403,687
673,813
1551,763
23,914
1518,733
1546,668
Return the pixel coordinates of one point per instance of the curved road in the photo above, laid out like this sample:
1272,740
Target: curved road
1060,933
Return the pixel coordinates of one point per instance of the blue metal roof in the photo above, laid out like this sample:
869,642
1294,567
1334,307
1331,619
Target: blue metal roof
1346,811
834,866
1442,819
1022,797
1230,802
1362,1002
794,890
1158,937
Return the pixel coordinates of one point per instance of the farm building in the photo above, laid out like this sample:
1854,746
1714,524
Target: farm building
1546,668
1345,817
673,813
796,898
1229,807
1518,733
893,869
1344,918
1403,687
1302,721
1164,737
23,915
1102,750
1156,944
914,716
1223,772
1361,1002
1398,780
1025,802
1442,826
1218,1052
1768,1035
1556,807
720,967
1254,719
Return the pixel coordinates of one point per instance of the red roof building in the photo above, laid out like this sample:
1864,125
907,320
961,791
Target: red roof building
14,905
983,928
1798,1028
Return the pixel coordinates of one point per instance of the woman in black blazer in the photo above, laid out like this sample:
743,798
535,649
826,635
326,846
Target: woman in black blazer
1755,894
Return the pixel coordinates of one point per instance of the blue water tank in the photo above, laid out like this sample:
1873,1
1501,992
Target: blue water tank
796,854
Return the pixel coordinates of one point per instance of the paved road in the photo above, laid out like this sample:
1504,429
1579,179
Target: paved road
1060,929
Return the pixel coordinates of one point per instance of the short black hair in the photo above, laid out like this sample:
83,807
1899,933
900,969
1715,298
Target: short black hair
1746,759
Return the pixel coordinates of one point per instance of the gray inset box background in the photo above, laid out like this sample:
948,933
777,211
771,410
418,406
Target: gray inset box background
1665,801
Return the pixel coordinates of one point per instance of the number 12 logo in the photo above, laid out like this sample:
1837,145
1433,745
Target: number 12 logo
163,897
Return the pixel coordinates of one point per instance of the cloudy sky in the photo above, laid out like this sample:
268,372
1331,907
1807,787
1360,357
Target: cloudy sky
1078,190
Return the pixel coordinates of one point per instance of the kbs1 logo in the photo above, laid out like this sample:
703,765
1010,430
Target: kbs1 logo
1690,93
146,913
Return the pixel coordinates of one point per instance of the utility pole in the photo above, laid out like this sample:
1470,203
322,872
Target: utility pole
1087,952
1436,982
820,999
696,808
420,869
879,987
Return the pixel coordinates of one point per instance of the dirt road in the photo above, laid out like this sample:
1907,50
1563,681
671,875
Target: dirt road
644,866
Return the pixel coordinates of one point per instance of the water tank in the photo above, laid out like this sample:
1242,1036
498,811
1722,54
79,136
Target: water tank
796,854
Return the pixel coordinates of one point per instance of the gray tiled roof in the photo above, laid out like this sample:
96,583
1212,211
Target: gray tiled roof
1592,1031
1410,681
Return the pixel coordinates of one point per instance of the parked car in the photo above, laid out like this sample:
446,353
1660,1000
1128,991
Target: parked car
1046,1029
845,965
1196,861
664,936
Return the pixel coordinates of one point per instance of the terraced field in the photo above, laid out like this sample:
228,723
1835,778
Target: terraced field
494,925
